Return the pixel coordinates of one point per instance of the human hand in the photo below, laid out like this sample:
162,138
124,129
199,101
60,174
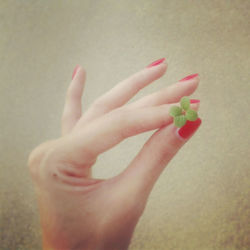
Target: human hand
78,211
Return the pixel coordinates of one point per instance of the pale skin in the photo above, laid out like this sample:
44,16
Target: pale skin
78,211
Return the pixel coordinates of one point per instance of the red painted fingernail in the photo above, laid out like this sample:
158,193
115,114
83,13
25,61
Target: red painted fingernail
189,77
74,72
188,129
194,100
157,62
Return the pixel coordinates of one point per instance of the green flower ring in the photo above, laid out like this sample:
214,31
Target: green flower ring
183,113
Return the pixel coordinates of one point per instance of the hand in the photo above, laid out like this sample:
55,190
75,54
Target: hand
80,212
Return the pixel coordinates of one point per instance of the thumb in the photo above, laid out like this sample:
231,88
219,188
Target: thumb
146,167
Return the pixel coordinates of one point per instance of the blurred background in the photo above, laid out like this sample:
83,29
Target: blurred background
202,199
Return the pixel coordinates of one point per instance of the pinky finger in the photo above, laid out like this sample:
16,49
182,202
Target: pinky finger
73,108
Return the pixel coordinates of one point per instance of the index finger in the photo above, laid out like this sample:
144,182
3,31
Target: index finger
102,134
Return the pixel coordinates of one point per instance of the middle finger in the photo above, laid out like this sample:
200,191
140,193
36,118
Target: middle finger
170,94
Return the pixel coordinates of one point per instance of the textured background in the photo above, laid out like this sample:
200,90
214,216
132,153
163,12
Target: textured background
201,200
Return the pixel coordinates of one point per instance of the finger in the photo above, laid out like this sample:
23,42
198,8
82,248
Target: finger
73,107
169,94
123,92
84,146
157,152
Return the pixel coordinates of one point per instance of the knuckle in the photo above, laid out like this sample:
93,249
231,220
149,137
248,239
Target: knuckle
34,160
163,151
36,156
65,117
97,102
72,94
135,128
117,120
123,115
168,151
68,93
98,106
128,123
139,79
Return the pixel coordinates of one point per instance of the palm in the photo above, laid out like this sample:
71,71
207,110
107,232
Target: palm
77,209
107,209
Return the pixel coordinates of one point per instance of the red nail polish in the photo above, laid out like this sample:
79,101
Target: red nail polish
194,100
157,62
189,128
74,72
189,77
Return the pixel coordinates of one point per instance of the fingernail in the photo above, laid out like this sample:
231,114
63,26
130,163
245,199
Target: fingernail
157,62
189,77
194,100
74,72
188,129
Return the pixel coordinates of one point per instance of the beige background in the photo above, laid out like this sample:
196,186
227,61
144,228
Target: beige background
201,200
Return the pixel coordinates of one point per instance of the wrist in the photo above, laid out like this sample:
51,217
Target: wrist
69,245
85,244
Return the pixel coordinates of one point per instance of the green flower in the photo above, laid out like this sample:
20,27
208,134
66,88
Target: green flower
184,113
